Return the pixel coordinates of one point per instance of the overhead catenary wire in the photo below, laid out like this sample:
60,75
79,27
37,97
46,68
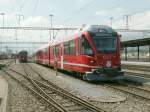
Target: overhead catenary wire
132,14
12,5
87,6
79,10
22,5
35,7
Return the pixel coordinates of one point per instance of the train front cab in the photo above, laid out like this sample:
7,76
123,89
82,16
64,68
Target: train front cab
23,56
102,50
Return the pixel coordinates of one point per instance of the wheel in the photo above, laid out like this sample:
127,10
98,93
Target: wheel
84,77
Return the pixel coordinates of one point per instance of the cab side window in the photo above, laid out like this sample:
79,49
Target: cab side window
79,46
86,48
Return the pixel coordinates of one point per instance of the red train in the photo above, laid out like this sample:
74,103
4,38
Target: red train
93,53
23,56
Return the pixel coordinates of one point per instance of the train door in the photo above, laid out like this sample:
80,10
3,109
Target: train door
49,55
62,56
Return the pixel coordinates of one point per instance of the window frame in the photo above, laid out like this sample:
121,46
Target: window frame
83,40
72,47
66,48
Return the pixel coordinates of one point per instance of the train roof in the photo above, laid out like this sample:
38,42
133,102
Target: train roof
23,52
84,28
98,28
77,33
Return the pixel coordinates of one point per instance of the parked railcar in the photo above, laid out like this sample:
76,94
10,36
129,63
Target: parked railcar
23,56
93,53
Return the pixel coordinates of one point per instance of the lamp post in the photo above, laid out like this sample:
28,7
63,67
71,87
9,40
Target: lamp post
127,19
51,16
111,21
19,18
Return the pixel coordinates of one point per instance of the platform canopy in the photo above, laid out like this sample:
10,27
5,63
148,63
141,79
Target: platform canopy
137,42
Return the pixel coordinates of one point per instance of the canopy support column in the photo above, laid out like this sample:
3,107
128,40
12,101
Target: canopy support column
149,52
126,53
138,52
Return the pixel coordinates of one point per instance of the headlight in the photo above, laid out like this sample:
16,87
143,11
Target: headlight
108,64
92,61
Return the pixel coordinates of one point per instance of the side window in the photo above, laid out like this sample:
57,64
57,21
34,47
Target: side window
54,51
87,50
46,51
79,45
57,50
72,47
66,48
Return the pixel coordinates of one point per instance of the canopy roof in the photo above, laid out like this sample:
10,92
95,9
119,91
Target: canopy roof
137,42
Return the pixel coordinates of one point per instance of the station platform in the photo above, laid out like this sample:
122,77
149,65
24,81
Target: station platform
135,63
3,94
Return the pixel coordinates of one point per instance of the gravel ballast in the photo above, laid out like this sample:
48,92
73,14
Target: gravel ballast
130,104
21,100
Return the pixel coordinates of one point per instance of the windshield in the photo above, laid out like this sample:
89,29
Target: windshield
87,50
105,44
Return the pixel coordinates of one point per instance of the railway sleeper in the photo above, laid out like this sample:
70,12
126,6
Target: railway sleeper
68,105
64,101
75,108
79,110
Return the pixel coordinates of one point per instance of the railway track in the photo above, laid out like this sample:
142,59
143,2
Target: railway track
7,63
129,73
137,70
130,89
52,94
136,67
140,88
45,101
133,90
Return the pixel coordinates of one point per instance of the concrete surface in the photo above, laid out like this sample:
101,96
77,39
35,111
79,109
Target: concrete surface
95,92
135,63
3,93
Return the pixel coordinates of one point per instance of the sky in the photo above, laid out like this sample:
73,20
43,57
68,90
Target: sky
73,12
70,13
